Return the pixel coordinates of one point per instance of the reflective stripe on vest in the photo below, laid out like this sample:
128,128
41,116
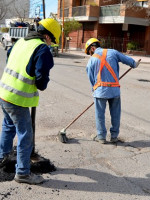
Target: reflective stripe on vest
23,94
19,76
106,64
16,86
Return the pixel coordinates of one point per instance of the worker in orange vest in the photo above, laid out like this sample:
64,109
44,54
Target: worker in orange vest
103,73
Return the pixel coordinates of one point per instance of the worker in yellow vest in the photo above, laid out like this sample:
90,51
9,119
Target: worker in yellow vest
26,72
103,73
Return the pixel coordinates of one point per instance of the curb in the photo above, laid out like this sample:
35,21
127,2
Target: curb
74,55
70,55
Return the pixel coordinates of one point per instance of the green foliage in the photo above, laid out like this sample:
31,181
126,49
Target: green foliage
91,3
132,45
4,29
71,25
103,42
106,42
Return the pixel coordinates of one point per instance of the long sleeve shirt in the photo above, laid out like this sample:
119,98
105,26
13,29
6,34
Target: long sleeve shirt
39,65
113,58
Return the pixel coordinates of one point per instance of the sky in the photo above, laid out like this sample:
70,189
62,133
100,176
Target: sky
50,6
36,7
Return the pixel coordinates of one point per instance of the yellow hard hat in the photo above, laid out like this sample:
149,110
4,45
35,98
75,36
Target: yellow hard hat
52,26
89,42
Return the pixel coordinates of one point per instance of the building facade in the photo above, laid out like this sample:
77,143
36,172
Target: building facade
114,22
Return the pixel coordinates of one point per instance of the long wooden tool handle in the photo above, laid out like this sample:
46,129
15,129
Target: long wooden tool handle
79,116
129,69
93,102
33,115
124,74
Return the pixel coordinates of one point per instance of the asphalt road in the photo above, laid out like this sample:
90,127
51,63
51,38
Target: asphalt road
86,169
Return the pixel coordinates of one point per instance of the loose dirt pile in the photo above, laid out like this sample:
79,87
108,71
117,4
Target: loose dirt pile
40,166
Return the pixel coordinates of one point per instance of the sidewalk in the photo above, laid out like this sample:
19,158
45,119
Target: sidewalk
81,54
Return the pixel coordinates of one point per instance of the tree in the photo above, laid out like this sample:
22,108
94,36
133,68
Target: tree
3,9
20,9
71,25
14,8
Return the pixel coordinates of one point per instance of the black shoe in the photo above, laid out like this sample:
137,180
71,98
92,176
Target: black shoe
30,179
4,160
114,140
102,141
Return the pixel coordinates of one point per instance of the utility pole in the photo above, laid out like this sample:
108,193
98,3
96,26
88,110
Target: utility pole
63,7
44,9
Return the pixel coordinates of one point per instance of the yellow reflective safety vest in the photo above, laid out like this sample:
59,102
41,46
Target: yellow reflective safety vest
16,86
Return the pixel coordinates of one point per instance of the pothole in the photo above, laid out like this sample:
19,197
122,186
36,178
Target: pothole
39,165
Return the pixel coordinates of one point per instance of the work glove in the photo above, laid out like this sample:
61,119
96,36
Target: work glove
137,63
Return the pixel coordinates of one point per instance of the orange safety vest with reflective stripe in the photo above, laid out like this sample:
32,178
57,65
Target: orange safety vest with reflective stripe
106,64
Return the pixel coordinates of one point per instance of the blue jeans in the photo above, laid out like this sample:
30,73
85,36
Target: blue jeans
17,120
115,113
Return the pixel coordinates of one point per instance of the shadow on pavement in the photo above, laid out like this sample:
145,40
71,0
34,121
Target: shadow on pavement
135,144
99,182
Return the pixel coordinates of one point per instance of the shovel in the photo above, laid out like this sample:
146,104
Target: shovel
62,134
33,114
38,163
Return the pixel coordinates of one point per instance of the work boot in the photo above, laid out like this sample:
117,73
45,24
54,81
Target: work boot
30,179
101,141
4,160
114,140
